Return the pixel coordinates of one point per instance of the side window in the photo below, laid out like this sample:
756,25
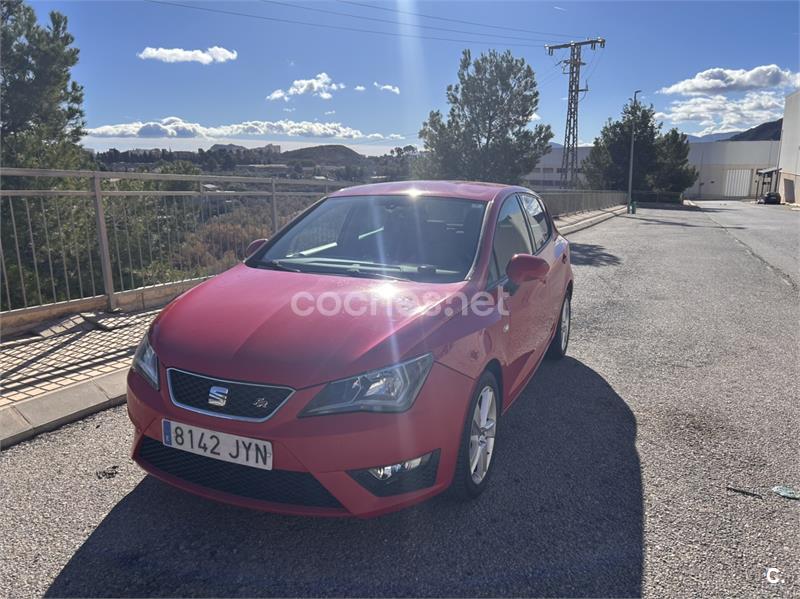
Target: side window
540,225
510,234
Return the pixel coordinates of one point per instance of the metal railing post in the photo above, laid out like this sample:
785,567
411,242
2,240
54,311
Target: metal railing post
102,241
274,210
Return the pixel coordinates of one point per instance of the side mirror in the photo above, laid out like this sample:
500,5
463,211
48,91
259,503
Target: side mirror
254,246
524,267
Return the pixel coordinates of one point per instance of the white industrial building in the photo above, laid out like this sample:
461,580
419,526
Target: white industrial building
547,174
789,162
728,169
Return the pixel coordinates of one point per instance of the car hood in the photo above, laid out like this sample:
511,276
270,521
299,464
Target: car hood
242,325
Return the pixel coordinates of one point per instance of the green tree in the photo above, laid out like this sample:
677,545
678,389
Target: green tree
660,159
606,166
673,171
486,135
41,118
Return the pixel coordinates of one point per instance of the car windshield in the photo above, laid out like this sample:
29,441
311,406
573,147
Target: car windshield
418,238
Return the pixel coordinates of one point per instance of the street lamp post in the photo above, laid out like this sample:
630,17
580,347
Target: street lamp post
631,203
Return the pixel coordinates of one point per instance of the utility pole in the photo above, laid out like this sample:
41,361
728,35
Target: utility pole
631,203
569,162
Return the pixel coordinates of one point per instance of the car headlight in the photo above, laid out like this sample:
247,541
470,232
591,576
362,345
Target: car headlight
390,389
145,362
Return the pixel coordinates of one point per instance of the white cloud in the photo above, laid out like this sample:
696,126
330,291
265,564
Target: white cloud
175,127
387,88
718,80
321,86
289,109
329,112
213,54
359,88
278,94
534,117
719,114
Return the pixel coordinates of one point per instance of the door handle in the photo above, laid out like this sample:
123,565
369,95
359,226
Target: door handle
564,257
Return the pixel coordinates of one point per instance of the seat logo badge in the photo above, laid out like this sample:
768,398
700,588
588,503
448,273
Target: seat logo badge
217,396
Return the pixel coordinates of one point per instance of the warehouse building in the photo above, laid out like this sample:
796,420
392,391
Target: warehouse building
729,169
547,173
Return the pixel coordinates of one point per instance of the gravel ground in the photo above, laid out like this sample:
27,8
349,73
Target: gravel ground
610,478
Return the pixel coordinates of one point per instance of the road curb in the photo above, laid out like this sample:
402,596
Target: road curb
28,418
590,222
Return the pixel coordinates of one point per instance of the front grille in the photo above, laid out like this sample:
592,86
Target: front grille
242,400
278,486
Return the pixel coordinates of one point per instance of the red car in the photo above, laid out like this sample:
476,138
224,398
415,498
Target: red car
361,360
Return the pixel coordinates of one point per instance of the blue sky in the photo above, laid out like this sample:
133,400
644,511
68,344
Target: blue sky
706,66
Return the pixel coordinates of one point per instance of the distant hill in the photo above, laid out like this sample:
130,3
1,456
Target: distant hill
770,131
331,155
712,137
229,147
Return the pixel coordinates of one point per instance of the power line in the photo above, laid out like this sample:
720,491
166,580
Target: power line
393,22
416,14
339,27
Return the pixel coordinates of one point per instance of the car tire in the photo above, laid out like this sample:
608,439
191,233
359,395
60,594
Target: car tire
470,478
560,342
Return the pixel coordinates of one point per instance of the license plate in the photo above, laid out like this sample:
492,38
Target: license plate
220,446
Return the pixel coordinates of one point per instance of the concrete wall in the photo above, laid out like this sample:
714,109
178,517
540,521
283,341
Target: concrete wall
728,168
789,163
143,298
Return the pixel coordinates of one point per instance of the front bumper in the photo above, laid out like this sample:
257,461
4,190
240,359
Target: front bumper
313,458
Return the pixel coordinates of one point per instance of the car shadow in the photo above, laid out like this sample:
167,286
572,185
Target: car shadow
563,516
661,221
591,254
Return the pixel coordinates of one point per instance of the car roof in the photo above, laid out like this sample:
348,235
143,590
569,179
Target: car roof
467,190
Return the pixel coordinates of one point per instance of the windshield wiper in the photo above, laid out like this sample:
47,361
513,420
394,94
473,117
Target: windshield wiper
368,274
276,265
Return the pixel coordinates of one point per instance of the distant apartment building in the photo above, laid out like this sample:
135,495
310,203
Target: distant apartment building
789,161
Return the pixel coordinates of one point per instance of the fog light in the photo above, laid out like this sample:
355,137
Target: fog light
386,472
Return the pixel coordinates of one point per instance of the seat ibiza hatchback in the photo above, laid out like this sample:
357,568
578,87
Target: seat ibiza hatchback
361,360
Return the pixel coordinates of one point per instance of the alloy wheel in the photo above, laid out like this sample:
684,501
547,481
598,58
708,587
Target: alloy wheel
565,323
482,434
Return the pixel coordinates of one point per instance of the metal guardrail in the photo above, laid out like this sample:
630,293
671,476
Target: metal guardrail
125,231
74,238
568,202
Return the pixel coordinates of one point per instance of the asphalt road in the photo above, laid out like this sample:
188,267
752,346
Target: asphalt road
610,478
771,232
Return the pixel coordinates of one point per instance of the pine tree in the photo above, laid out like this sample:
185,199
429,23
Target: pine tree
486,135
41,114
661,160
